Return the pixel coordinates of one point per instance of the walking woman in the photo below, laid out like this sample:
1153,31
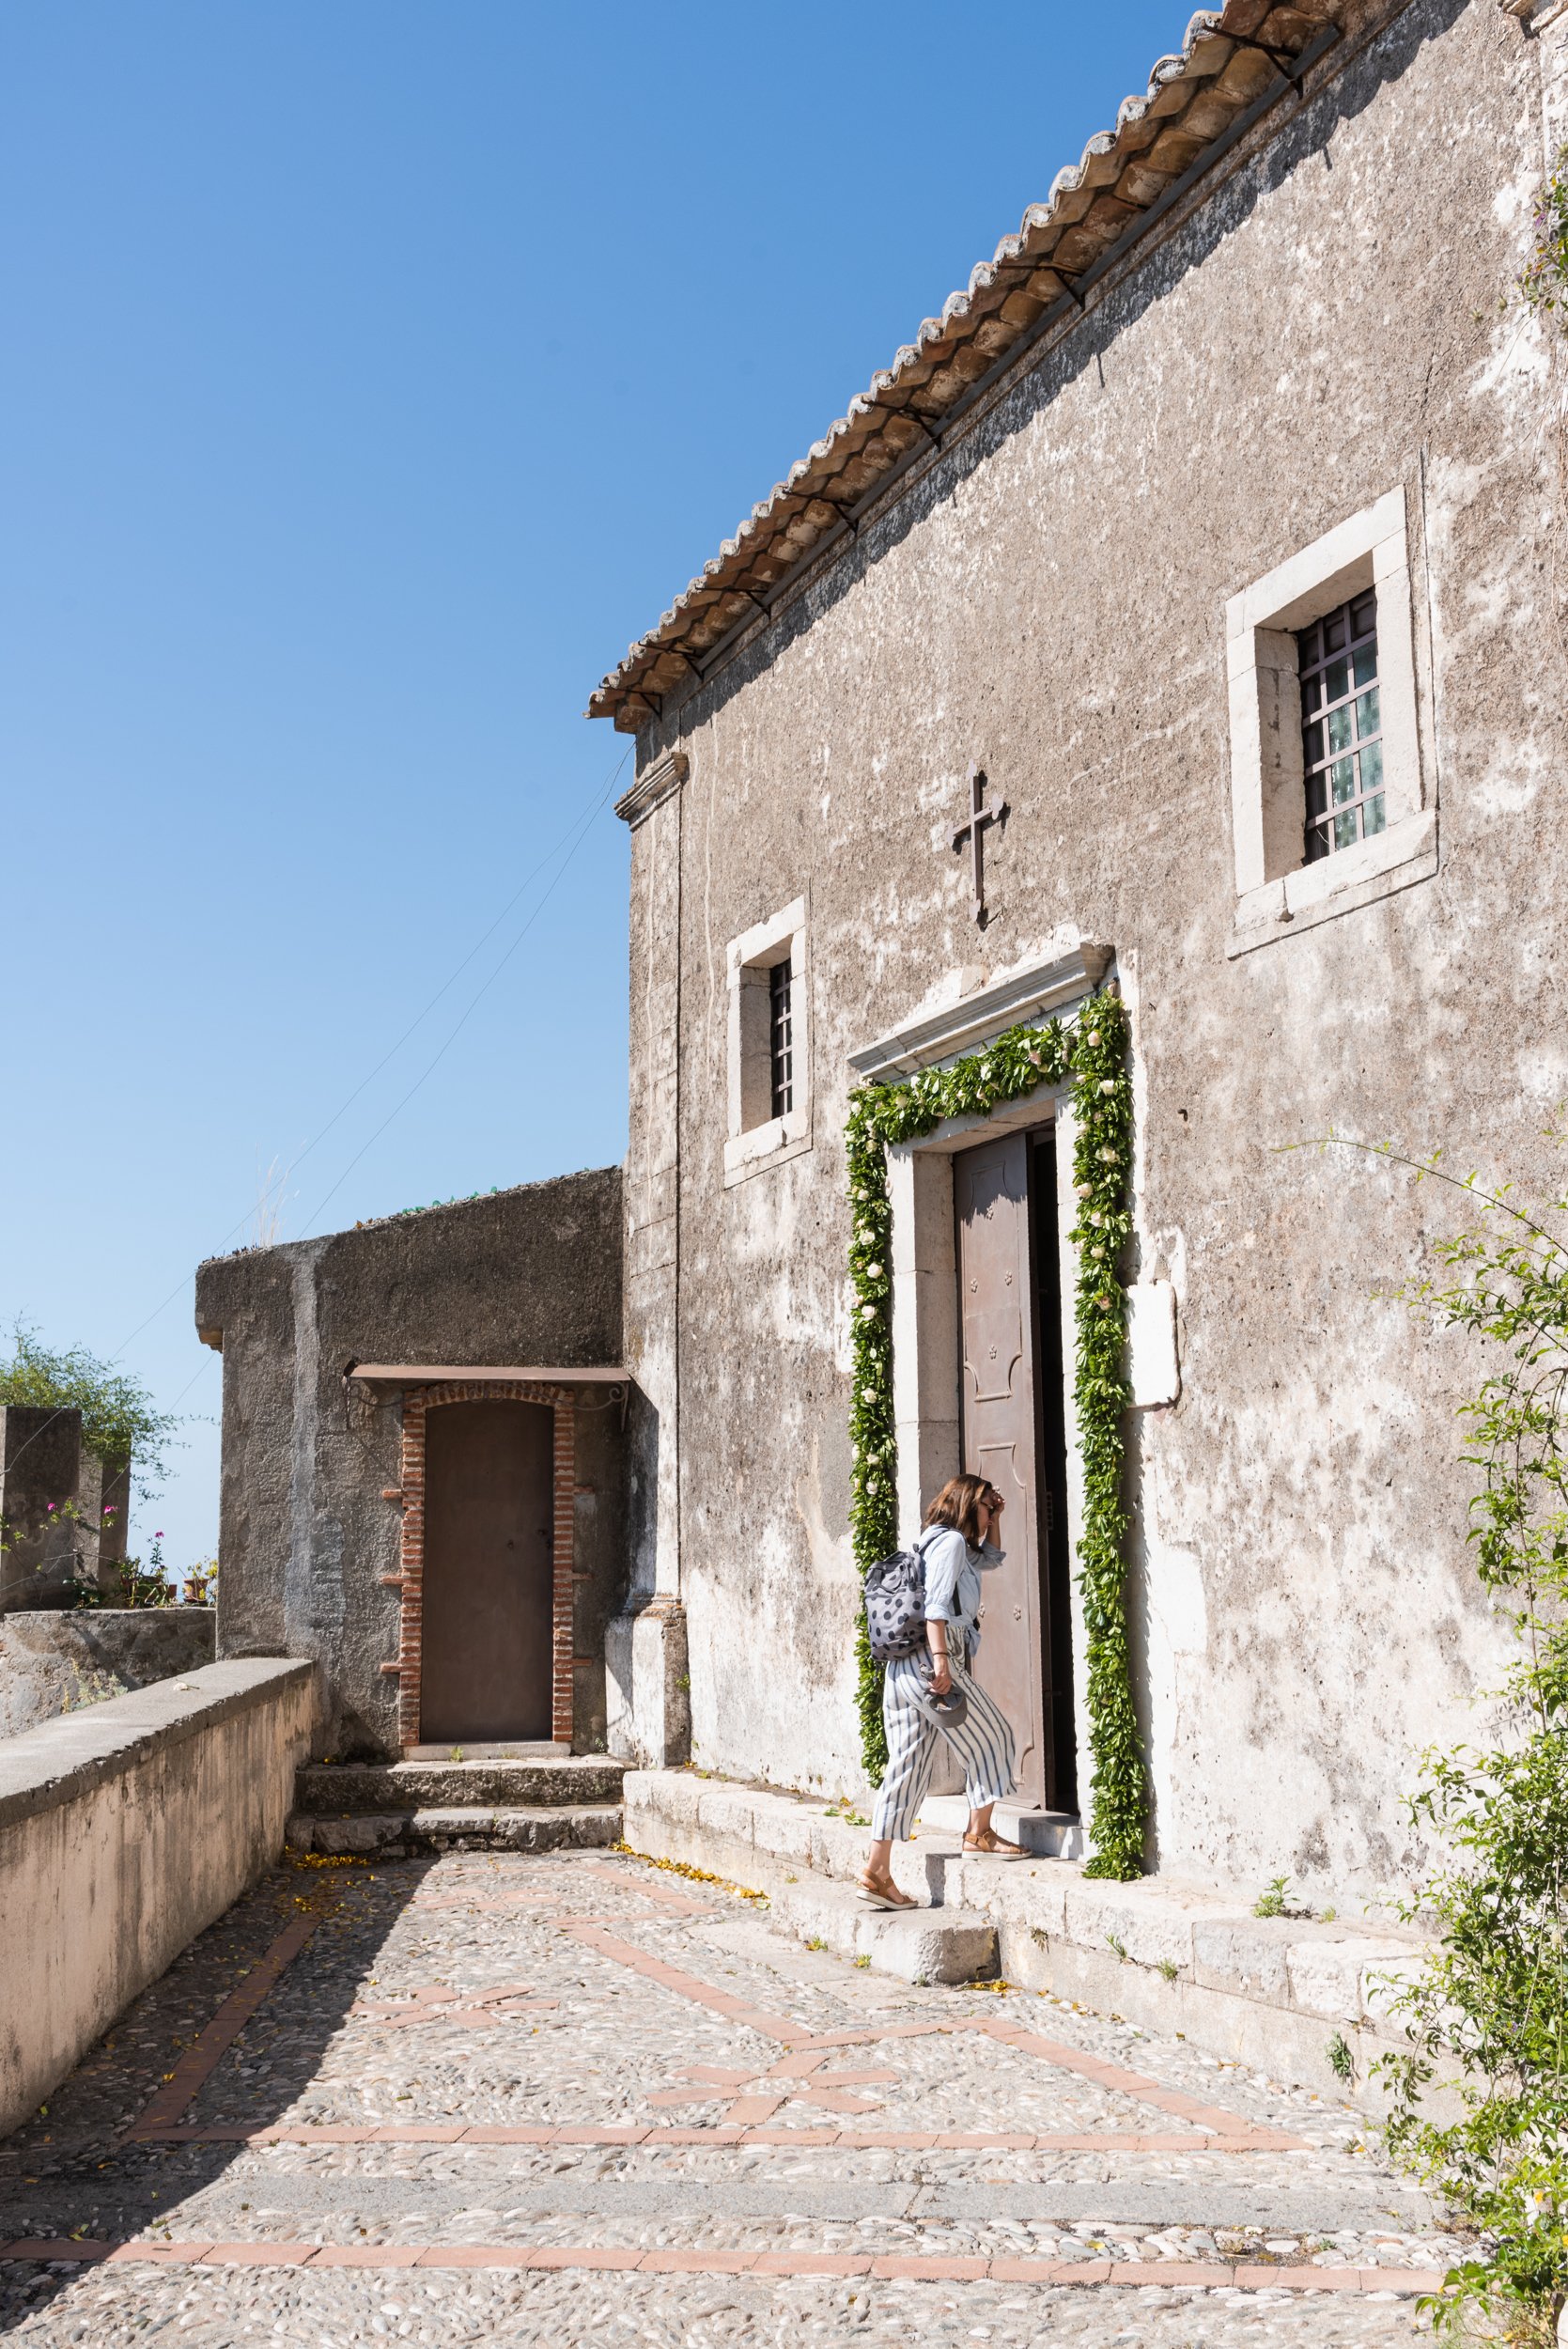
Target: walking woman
957,1547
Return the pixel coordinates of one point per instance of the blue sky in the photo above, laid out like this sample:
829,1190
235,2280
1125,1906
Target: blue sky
375,372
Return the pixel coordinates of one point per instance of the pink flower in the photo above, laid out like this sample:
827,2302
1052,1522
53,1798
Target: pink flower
51,1508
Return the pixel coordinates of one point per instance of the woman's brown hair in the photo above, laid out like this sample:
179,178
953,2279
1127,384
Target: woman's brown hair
959,1505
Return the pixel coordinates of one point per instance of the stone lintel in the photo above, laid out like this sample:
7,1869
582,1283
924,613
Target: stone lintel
1030,992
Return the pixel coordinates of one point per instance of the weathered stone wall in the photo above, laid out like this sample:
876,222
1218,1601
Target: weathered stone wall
58,1659
526,1276
1049,596
124,1831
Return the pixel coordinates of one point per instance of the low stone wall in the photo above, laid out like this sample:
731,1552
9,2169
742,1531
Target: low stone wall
57,1660
124,1831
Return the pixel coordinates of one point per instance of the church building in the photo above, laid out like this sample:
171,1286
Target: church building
1109,779
1178,617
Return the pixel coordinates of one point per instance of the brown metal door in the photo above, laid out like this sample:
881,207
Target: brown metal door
990,1188
486,1668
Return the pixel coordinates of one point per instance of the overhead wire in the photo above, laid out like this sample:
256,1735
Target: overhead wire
571,841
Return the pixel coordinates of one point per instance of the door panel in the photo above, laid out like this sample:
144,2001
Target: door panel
489,1595
990,1186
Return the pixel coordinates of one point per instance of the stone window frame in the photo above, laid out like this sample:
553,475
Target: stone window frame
755,1140
408,1669
1277,892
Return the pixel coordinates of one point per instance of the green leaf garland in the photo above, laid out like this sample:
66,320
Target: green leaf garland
1093,1055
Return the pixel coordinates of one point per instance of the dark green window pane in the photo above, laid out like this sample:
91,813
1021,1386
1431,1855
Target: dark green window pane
1368,714
1341,780
1344,830
1371,815
1372,767
1339,727
1366,662
1313,740
1338,676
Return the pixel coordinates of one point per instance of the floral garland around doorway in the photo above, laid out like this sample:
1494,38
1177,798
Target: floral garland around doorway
1092,1054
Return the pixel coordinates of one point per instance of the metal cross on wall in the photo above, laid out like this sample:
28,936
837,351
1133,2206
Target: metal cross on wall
974,833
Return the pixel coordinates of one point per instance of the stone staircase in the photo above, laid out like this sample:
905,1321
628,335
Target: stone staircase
395,1810
1293,1996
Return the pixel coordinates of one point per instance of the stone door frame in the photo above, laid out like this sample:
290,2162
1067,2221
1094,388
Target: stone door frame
926,1335
417,1402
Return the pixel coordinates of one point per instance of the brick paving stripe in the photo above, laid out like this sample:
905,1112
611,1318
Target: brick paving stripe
1121,2273
202,2056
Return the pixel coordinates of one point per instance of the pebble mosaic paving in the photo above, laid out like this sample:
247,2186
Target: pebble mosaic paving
497,2099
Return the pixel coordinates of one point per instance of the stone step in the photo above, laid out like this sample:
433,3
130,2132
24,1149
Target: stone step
324,1788
1048,1834
919,1945
399,1834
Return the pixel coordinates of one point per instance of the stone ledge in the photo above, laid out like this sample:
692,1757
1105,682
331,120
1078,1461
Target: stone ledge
329,1788
60,1760
1267,1991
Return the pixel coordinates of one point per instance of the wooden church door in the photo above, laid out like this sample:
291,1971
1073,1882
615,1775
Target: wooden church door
1007,1426
488,1595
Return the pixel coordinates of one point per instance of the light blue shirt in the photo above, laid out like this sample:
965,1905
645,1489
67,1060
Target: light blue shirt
953,1572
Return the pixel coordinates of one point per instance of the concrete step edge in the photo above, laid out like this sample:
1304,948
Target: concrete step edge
541,1828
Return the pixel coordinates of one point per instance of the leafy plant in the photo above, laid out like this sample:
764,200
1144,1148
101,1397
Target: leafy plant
1274,1903
1543,283
120,1420
134,1585
1118,1947
1093,1055
1341,2062
201,1583
1491,2003
1169,1968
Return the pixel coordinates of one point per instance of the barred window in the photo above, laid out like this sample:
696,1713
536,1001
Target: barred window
781,1049
1342,728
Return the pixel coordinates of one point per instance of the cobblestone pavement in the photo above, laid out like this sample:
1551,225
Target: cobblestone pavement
509,2100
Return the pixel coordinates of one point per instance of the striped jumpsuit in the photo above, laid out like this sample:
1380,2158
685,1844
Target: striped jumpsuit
982,1742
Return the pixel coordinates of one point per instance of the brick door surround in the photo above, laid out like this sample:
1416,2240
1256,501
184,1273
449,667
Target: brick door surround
417,1401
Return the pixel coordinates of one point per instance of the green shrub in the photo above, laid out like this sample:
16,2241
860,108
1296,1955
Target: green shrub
120,1420
1490,2005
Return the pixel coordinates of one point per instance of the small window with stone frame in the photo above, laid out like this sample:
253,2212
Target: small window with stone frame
769,1108
781,1051
1329,805
1342,728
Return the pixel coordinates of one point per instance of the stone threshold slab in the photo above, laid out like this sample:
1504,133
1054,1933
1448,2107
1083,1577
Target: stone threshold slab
1273,1993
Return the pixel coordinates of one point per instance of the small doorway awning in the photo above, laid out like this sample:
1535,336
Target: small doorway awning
444,1374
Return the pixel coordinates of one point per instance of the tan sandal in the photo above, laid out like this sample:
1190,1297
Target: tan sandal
993,1846
884,1895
